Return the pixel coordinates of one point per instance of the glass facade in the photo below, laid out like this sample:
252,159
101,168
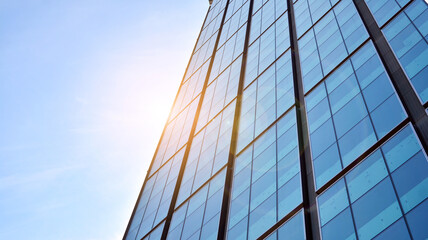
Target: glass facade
294,121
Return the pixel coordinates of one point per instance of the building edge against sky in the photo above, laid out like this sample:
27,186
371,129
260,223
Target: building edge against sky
298,119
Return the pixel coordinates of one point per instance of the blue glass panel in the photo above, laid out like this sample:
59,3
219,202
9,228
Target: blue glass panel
318,115
175,233
288,167
332,202
193,222
239,231
376,210
398,230
406,34
391,108
315,97
239,208
200,213
263,188
327,165
293,228
243,160
379,195
157,233
210,229
273,236
348,116
418,221
364,107
322,138
356,141
400,148
377,91
343,221
287,142
418,13
178,216
263,162
286,122
303,18
347,90
367,174
412,190
289,196
339,76
262,218
272,172
241,180
264,141
213,206
383,10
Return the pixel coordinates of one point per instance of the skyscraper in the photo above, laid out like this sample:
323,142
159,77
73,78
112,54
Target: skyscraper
300,119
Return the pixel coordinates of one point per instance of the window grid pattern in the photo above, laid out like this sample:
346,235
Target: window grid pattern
176,134
235,22
268,44
408,36
383,10
156,233
378,199
234,6
265,16
350,106
266,181
198,65
201,56
189,90
350,111
294,229
198,217
209,31
329,42
204,46
230,51
156,198
208,154
308,12
220,93
265,100
216,7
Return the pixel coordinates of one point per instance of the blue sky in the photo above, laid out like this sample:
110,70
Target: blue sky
85,89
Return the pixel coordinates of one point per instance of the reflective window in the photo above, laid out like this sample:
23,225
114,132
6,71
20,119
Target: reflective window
265,16
266,99
189,90
176,134
234,22
266,184
228,52
220,93
198,217
268,47
294,228
207,38
373,198
156,198
408,35
383,10
349,111
308,12
330,41
208,154
156,234
236,6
